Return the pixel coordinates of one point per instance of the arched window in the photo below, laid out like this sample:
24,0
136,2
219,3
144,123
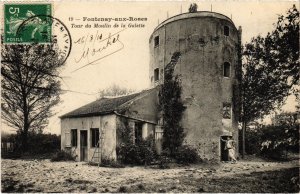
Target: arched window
226,69
226,30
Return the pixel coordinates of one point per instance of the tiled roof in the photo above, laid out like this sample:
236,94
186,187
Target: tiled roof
104,105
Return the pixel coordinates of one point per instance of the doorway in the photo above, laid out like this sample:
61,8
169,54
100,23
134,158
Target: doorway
224,152
83,145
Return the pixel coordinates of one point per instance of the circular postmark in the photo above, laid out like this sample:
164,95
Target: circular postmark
45,29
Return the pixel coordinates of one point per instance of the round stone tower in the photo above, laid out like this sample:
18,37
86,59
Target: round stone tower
209,69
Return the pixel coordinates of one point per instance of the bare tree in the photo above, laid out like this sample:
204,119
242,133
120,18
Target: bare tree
114,90
30,87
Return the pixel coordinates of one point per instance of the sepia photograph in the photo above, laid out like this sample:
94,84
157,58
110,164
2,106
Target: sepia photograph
150,96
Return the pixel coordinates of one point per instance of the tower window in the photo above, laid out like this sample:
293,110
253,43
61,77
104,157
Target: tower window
156,74
156,41
226,30
226,69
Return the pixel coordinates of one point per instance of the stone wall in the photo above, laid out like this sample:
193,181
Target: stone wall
204,48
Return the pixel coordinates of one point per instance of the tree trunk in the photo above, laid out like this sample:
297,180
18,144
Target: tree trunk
24,136
24,142
243,139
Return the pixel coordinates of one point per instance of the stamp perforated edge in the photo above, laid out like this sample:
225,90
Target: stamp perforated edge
3,3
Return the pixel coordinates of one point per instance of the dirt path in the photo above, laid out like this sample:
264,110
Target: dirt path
245,176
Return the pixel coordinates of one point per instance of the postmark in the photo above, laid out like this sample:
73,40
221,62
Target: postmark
59,38
36,31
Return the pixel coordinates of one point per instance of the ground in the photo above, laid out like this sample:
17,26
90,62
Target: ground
244,176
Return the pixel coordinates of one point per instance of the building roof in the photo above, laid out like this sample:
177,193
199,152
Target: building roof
105,105
199,14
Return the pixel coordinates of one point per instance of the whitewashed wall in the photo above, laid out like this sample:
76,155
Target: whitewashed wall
107,128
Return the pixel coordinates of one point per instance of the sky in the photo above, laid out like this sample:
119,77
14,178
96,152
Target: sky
128,67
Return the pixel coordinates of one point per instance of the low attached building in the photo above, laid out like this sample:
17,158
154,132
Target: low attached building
94,131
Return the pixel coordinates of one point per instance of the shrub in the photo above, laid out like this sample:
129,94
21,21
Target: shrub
186,155
142,153
108,162
43,143
147,150
122,189
164,159
141,186
62,156
272,141
39,145
128,153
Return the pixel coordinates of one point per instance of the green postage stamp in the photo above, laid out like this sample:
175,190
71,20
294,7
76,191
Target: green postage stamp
25,23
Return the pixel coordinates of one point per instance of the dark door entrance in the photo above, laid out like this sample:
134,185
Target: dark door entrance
224,152
83,145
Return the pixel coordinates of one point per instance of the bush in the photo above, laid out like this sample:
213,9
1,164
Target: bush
272,141
43,143
122,189
128,154
147,150
39,145
142,153
107,162
62,156
186,155
164,159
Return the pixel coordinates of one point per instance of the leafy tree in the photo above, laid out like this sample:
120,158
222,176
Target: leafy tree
271,68
172,107
273,140
30,87
114,90
264,87
284,44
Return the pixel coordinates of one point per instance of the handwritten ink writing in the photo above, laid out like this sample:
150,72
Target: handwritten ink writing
92,45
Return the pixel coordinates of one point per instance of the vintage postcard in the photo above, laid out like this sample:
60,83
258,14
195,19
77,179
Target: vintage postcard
150,96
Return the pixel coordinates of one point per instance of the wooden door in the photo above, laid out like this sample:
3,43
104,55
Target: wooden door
83,146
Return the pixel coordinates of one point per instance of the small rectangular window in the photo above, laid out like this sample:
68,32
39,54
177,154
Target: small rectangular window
74,137
94,137
226,30
226,69
156,41
156,74
67,139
